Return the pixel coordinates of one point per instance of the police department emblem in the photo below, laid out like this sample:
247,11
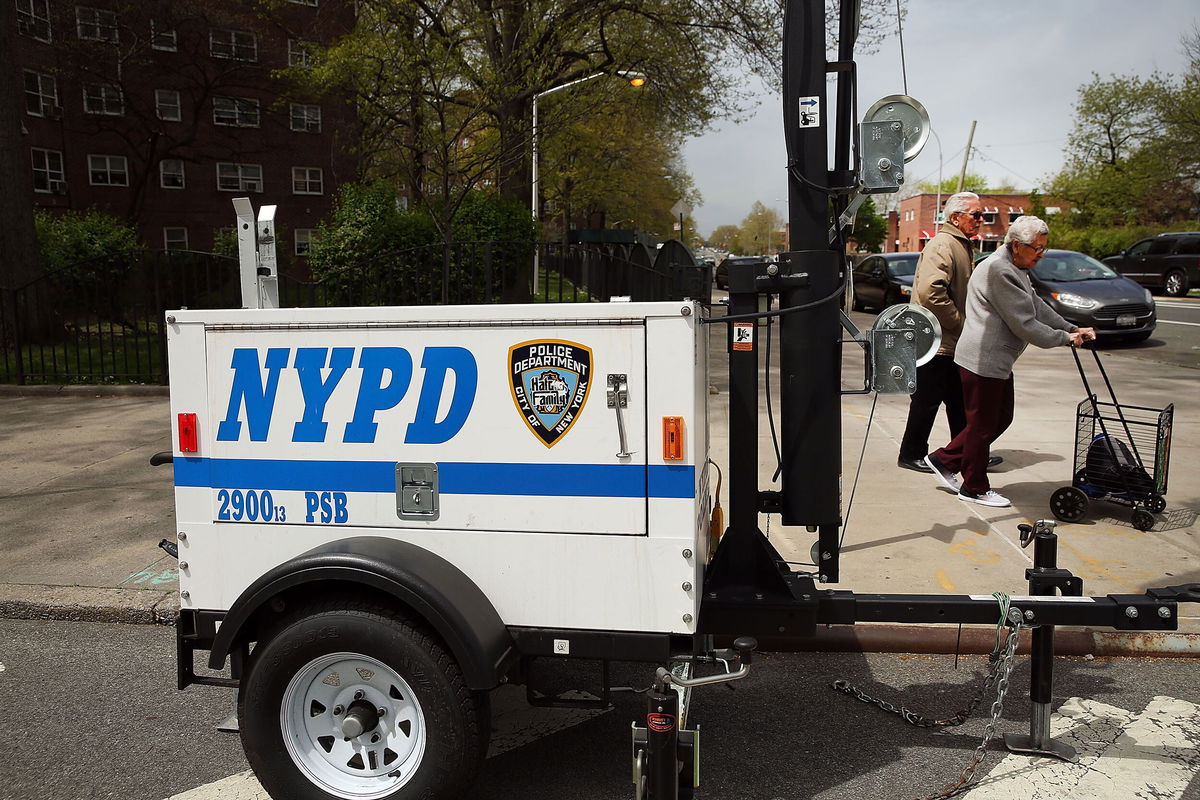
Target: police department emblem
550,379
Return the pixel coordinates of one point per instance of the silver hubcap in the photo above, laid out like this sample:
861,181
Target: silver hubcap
1174,284
353,726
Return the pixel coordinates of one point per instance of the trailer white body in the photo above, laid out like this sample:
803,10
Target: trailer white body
302,416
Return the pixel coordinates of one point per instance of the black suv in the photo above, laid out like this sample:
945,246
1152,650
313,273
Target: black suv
1169,262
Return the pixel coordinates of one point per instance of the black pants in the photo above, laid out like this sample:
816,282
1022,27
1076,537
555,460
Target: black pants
937,383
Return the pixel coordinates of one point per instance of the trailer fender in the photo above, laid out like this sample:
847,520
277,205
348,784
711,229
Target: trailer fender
436,591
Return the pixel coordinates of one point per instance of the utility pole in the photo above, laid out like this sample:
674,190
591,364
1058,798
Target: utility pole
962,173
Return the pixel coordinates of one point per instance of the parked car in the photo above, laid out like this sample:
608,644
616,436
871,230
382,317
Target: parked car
721,276
884,280
1169,262
1089,294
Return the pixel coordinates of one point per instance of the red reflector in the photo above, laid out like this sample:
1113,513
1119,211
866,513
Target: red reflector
672,430
187,434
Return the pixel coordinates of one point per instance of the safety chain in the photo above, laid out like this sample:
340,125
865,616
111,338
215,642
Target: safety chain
998,677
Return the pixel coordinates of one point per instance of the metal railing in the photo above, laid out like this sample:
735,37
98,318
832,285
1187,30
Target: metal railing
76,326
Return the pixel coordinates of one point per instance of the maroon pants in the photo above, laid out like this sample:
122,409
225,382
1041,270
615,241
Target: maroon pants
989,407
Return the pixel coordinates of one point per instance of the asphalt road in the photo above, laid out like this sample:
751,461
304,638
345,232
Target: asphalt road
91,711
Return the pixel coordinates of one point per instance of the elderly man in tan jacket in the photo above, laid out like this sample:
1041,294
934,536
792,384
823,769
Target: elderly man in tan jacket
940,285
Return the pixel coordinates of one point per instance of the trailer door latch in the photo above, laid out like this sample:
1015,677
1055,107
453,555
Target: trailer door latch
618,398
417,491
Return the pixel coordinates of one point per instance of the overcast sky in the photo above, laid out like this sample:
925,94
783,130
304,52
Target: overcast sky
1014,67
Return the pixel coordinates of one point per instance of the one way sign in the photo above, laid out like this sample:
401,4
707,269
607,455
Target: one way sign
810,112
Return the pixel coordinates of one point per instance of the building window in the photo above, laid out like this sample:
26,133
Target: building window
989,216
175,239
307,180
48,175
1013,213
108,171
300,53
303,240
167,105
312,3
236,45
102,98
163,37
239,112
306,118
41,95
96,24
170,173
33,19
239,177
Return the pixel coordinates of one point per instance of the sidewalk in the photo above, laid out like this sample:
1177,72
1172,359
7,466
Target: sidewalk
82,511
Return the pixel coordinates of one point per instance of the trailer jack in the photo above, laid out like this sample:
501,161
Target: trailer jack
666,753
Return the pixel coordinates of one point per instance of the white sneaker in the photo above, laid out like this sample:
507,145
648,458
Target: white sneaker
949,479
988,498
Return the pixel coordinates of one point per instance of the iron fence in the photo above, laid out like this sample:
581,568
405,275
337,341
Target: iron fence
75,326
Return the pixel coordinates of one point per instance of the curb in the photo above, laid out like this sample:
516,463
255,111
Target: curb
89,604
84,390
870,637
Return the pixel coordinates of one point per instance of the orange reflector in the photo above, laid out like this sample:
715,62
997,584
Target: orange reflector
672,438
188,441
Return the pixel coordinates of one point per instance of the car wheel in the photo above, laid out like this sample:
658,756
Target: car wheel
855,303
1175,284
348,699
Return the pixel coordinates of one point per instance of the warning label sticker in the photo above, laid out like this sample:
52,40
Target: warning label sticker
743,336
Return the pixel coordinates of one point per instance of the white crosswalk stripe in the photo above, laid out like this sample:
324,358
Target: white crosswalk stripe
1122,754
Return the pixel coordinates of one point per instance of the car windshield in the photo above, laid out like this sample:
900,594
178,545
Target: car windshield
903,266
1065,266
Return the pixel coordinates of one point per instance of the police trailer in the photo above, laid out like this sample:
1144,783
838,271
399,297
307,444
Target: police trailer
385,513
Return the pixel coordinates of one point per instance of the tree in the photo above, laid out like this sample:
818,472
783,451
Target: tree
724,237
760,231
870,229
1123,163
973,182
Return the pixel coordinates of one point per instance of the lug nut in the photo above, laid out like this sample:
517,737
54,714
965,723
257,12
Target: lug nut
339,710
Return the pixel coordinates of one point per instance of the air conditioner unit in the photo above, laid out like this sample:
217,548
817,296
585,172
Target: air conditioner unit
52,112
58,187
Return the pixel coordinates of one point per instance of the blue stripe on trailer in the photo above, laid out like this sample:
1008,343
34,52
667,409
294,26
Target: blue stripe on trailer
543,480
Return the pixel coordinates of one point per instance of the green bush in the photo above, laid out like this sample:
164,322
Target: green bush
86,248
1099,242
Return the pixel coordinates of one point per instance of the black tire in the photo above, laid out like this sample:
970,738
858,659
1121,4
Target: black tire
855,303
1157,504
429,743
1142,519
1069,504
1175,283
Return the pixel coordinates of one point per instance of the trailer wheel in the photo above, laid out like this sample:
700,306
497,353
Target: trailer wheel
1069,504
1142,519
349,700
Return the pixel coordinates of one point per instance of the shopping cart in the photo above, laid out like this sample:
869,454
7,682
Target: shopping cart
1121,455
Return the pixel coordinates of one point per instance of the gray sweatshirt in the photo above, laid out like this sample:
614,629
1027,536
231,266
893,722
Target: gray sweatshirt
1004,316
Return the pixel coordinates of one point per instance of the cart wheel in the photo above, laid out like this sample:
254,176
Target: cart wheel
1069,504
1142,519
1157,504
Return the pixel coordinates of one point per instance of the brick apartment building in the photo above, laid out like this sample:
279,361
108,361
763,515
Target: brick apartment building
161,112
917,220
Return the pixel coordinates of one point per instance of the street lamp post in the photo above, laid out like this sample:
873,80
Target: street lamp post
634,78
